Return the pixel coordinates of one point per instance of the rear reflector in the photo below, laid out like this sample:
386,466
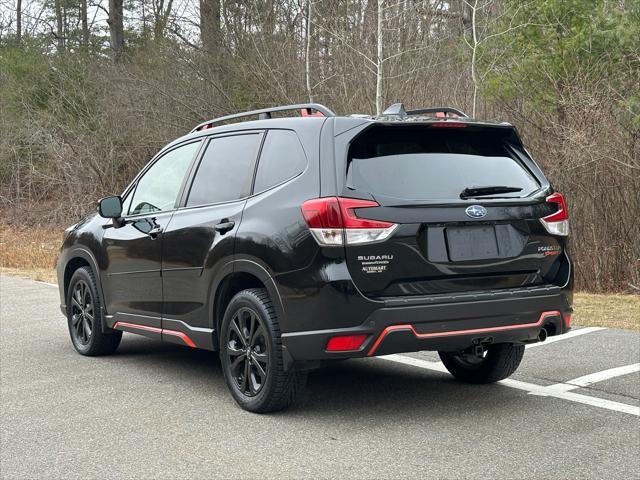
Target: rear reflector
567,320
333,221
345,343
558,222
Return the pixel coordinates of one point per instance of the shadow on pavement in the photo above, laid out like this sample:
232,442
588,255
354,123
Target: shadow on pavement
359,387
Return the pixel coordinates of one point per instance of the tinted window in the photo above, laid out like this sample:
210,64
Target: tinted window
226,170
282,158
158,188
421,164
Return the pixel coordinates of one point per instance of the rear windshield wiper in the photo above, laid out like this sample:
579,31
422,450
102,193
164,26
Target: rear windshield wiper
484,191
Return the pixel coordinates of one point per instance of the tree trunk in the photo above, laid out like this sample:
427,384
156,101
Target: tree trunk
466,13
59,26
210,25
162,16
116,27
19,23
307,69
85,23
474,49
379,73
269,18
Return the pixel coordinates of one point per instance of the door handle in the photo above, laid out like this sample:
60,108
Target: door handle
224,226
154,232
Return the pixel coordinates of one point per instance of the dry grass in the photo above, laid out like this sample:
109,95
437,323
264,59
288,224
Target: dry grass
29,248
607,310
29,252
32,253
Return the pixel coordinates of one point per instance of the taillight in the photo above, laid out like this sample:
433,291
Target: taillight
333,221
558,222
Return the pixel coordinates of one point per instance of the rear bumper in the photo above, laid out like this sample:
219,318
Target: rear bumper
444,327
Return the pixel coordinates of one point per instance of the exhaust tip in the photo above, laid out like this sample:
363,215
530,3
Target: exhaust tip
542,335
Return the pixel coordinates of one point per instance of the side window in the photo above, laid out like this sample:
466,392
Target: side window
226,170
158,188
282,158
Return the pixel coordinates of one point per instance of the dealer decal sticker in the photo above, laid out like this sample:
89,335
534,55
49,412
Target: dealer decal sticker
374,263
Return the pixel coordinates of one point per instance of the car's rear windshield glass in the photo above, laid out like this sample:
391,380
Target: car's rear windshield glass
422,163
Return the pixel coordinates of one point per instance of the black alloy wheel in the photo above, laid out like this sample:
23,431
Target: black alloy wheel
85,318
248,351
253,357
82,313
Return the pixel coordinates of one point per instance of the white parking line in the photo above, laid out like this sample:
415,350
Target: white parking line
572,333
604,375
531,388
592,378
439,367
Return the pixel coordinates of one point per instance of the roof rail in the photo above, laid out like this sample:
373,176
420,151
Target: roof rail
398,109
265,113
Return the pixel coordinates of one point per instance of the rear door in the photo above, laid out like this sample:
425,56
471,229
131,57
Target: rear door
200,239
445,243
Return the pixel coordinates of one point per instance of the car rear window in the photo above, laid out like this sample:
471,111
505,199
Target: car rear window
282,158
422,163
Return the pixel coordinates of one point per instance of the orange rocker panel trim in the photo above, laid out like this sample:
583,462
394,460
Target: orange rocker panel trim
162,331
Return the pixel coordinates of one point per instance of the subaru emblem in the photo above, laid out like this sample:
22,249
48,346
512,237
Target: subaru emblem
476,211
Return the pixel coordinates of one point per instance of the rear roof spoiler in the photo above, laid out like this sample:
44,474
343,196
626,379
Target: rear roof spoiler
398,109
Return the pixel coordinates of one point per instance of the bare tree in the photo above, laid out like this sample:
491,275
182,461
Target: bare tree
307,59
480,32
85,23
380,59
19,22
59,25
161,13
116,27
210,25
473,45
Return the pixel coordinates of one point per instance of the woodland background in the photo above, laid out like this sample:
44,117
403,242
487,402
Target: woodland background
91,89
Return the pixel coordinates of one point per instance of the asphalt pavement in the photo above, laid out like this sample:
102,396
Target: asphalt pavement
156,410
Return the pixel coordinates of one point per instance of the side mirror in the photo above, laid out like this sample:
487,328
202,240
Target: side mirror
110,207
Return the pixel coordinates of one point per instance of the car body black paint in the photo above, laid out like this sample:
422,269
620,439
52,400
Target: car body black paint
171,281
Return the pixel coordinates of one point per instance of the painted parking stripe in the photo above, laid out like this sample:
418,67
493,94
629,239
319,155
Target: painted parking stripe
530,388
593,401
592,378
604,375
572,333
415,362
439,366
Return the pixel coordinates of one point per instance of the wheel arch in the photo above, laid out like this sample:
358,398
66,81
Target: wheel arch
245,274
79,258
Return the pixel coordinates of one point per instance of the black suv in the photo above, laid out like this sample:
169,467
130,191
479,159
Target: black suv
289,242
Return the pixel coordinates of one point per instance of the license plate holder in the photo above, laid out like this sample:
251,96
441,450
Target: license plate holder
472,243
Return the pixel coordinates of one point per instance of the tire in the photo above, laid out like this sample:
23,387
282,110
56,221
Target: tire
84,316
250,325
498,363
